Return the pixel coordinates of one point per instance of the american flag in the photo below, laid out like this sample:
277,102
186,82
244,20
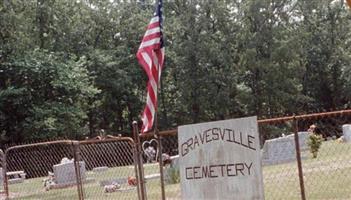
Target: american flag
151,57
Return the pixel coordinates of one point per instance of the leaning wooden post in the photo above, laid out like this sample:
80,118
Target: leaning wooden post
298,158
139,160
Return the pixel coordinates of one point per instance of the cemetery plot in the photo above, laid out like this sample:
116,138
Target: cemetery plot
111,169
325,178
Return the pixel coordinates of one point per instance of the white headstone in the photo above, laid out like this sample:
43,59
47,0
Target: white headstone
220,160
282,150
100,169
65,173
303,138
346,131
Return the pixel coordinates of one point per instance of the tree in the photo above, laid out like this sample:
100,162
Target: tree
45,95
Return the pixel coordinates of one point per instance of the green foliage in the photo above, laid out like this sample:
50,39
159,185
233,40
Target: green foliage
173,175
314,142
47,97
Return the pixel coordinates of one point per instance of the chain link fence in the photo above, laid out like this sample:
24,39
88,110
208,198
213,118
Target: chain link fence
95,169
320,169
278,154
303,157
327,170
290,171
30,168
151,165
110,169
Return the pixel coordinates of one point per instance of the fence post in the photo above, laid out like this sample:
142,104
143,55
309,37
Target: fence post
4,169
298,158
76,158
160,161
136,165
141,180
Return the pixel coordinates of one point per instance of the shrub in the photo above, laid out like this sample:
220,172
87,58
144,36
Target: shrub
314,143
174,175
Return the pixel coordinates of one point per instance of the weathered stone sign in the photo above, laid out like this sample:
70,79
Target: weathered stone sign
220,160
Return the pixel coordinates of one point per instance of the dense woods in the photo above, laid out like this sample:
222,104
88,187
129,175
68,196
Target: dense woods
68,67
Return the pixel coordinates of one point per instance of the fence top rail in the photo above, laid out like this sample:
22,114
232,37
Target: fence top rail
305,116
41,144
174,132
110,139
69,142
165,133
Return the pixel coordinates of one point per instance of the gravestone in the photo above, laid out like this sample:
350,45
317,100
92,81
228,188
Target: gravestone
346,131
220,160
65,173
100,169
15,177
282,150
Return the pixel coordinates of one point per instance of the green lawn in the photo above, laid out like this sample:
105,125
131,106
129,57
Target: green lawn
327,177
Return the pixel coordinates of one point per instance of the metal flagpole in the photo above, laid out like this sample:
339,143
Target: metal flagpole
157,133
160,161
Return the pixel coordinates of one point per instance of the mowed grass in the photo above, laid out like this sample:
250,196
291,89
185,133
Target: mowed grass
328,177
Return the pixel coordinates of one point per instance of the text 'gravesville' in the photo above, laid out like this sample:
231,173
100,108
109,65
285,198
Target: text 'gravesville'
213,134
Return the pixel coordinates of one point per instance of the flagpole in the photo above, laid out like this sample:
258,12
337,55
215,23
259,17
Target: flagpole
159,147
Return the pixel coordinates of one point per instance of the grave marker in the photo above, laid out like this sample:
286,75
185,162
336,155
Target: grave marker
282,150
346,131
221,160
65,173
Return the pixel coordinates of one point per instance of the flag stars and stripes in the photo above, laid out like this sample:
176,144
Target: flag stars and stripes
151,57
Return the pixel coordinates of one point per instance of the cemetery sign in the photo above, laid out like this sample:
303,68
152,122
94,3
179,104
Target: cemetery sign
221,160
